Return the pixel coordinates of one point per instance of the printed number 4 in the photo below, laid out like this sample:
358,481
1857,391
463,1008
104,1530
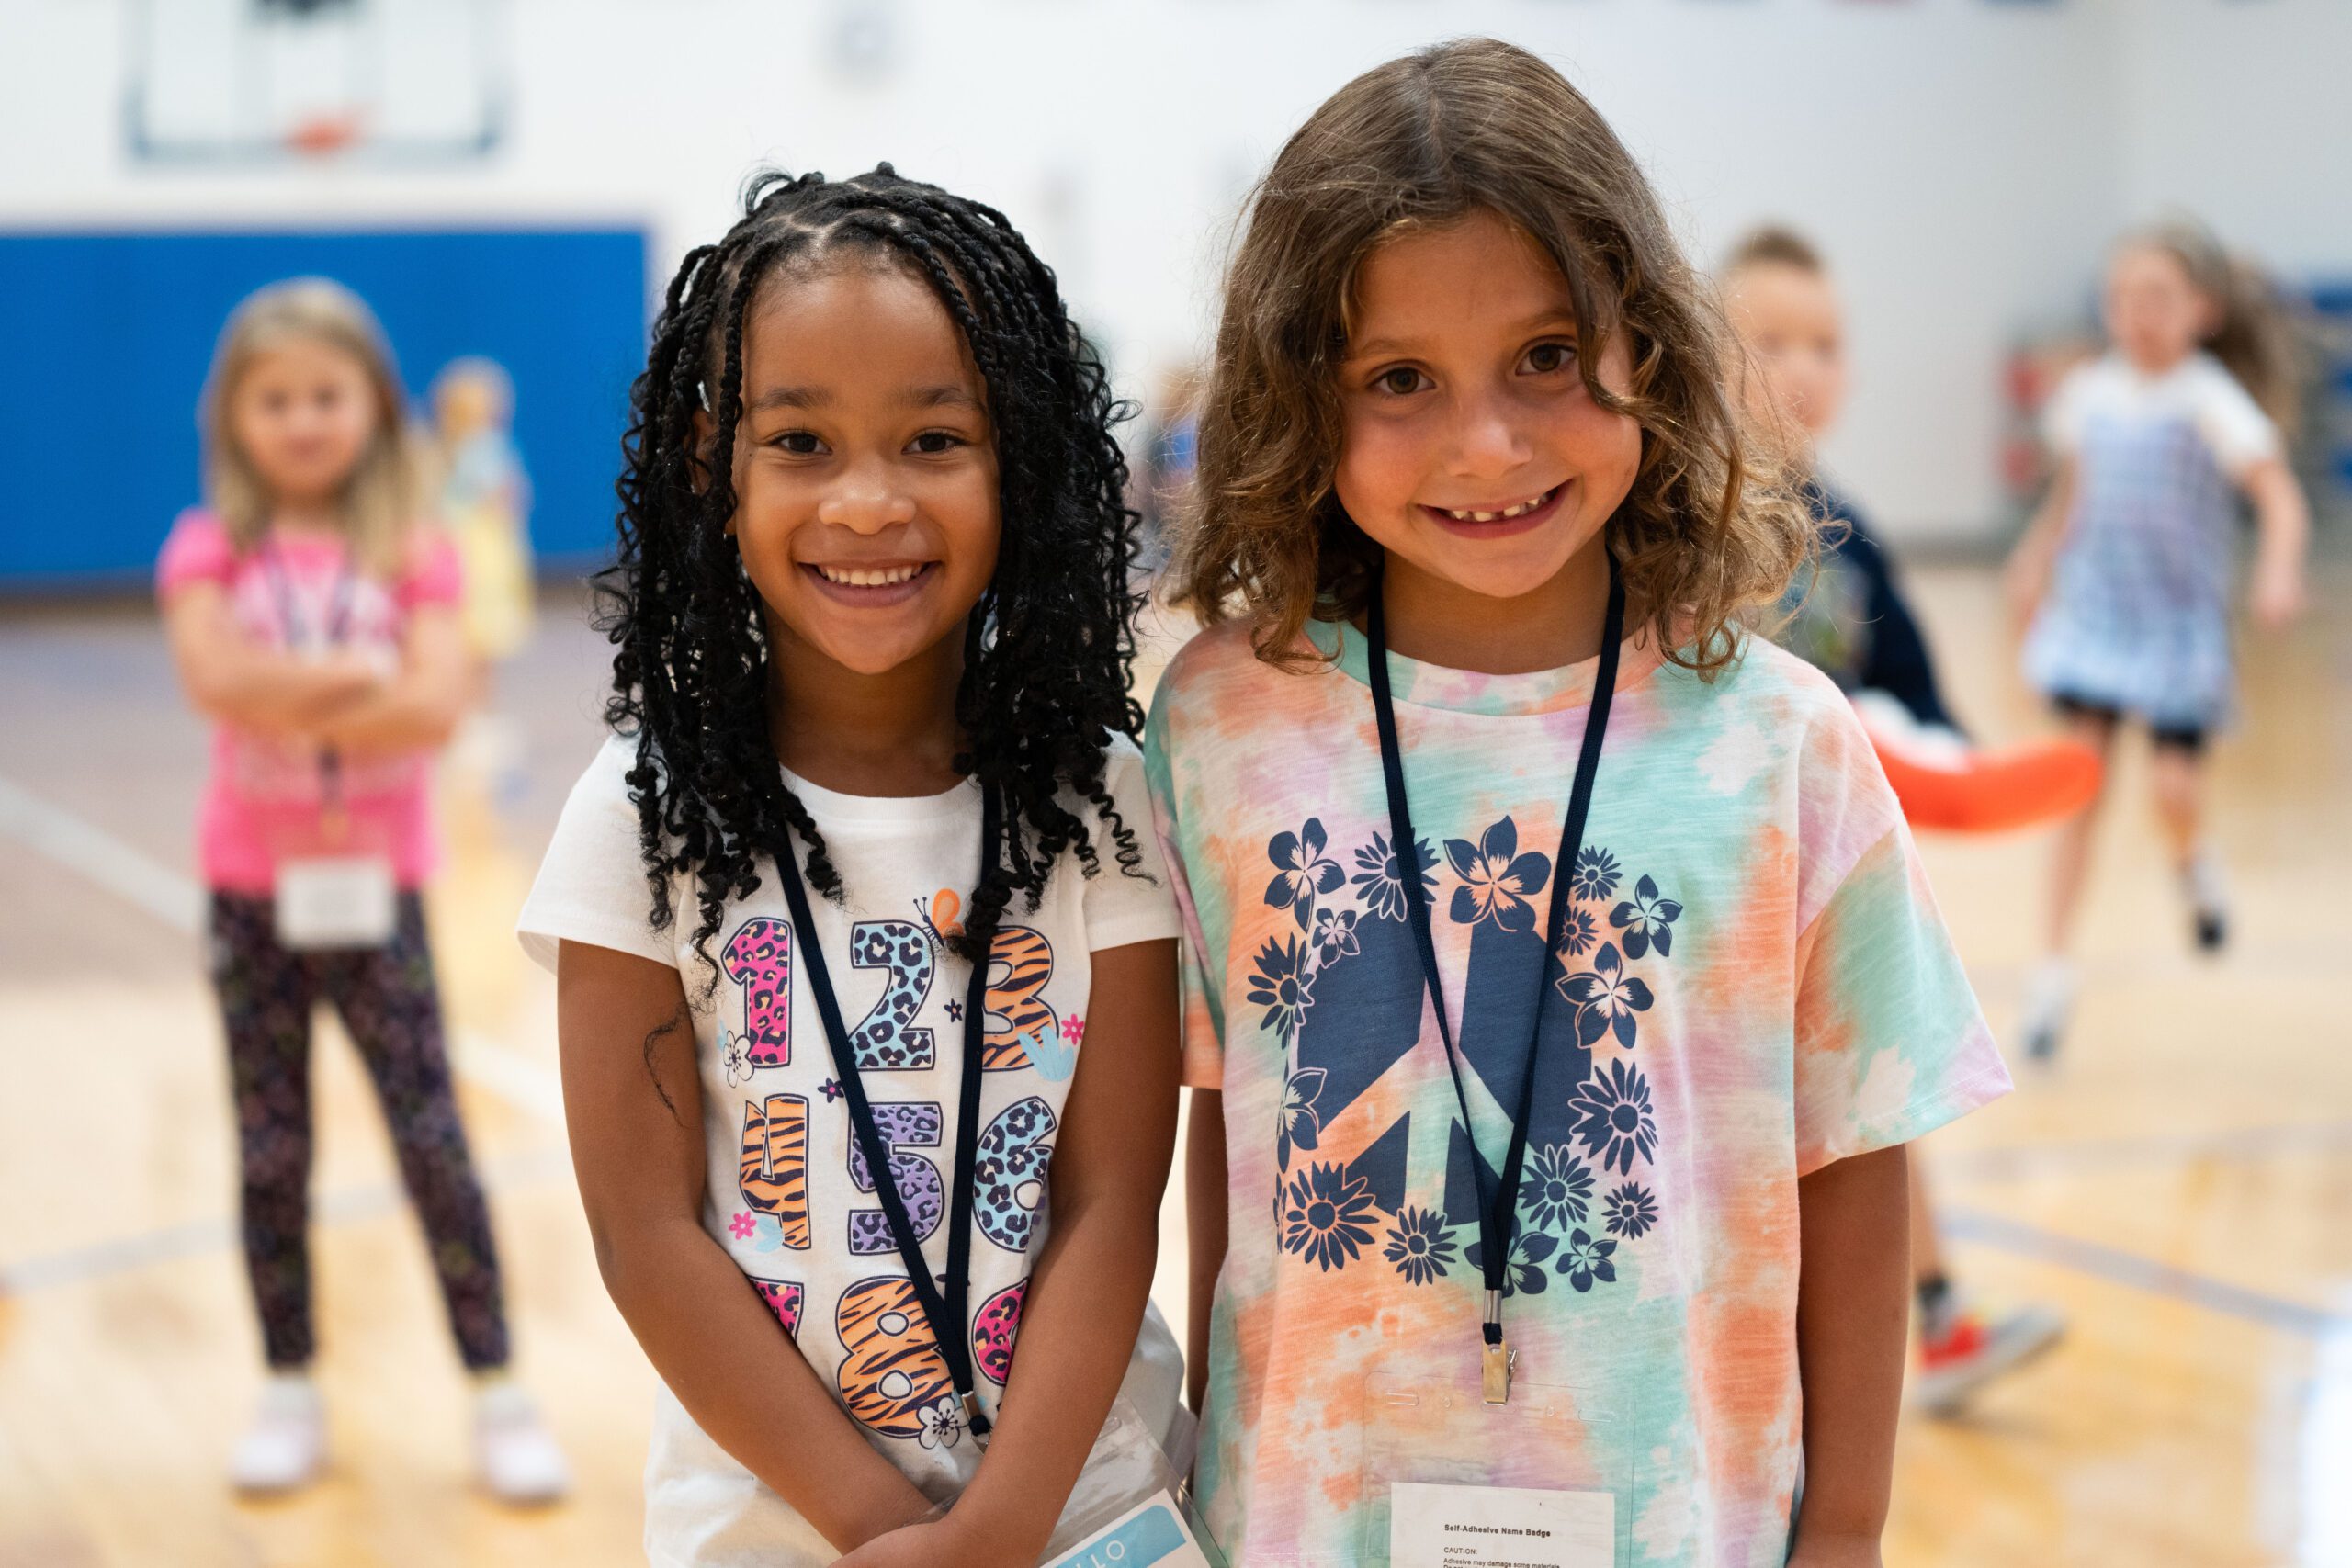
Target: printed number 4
915,1124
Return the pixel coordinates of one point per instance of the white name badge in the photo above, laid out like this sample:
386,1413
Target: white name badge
1152,1533
336,901
1500,1527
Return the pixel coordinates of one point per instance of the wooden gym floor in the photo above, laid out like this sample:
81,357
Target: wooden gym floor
2178,1183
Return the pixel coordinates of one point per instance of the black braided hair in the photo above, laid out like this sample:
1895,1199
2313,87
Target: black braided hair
1050,646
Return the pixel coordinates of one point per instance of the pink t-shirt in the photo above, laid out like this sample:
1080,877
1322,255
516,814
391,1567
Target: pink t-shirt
263,802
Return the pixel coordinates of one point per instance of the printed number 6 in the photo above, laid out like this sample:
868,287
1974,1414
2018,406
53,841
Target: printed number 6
920,1187
1009,1172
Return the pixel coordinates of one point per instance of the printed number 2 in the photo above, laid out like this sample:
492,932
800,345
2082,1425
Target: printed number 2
918,1126
886,1038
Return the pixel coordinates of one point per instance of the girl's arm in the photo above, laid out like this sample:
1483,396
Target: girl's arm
634,1105
230,678
2028,577
1853,1306
417,708
2283,522
1086,1298
1204,1216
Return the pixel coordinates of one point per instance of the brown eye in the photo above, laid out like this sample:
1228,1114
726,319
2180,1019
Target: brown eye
800,443
1547,357
931,443
1401,382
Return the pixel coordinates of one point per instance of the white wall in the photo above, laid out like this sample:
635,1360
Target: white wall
1960,160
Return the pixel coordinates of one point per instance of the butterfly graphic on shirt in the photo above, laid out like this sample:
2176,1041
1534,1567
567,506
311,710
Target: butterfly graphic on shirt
1343,992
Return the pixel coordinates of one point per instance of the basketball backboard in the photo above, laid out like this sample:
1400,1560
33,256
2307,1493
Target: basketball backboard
266,81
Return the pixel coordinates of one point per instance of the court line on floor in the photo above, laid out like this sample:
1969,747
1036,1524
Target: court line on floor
138,878
1999,1163
2118,1266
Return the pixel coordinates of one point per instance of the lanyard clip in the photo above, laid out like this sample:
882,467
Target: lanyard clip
1494,1373
973,1420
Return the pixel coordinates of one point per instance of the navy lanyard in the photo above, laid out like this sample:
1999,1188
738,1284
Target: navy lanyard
1497,1208
947,1309
331,627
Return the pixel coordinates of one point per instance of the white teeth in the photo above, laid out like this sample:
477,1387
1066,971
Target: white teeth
860,577
1521,510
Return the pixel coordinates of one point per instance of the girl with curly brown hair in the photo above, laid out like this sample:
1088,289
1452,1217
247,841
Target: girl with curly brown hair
1563,985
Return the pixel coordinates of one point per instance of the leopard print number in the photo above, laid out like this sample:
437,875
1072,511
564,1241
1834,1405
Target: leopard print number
887,1039
759,958
920,1187
1009,1172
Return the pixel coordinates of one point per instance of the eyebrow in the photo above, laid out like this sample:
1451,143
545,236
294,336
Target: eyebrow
934,397
1372,347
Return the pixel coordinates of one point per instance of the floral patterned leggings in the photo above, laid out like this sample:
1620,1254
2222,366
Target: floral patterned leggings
392,1009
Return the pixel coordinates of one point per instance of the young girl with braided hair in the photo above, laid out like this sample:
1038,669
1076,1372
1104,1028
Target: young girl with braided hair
872,623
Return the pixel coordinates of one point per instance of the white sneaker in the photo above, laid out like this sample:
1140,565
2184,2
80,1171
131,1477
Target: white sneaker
1974,1348
2209,899
286,1447
515,1456
2048,1004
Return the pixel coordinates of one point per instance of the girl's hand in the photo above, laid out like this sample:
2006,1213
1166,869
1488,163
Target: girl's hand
2277,595
2026,579
931,1544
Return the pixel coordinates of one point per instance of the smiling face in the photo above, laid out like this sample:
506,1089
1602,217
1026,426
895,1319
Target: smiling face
866,473
1472,450
2155,312
303,412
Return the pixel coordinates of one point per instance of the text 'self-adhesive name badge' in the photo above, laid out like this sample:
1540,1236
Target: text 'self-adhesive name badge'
1489,1527
1153,1533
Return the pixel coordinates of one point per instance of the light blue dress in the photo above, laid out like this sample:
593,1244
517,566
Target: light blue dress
2138,615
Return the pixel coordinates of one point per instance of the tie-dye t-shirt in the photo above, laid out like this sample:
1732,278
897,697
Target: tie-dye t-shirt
1752,983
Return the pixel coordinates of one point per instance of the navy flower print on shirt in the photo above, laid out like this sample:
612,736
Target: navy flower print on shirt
1283,986
1606,998
1419,1246
1327,1215
1630,1211
1302,872
1578,933
1556,1187
1613,1116
1380,885
1335,934
1525,1276
1300,1127
1596,874
1496,879
1583,1260
1647,920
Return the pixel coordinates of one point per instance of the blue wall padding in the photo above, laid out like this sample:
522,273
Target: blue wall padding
105,339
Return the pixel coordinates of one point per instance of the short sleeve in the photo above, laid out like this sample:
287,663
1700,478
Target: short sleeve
433,575
1126,904
590,887
2233,425
2061,421
1203,1031
197,551
1889,1043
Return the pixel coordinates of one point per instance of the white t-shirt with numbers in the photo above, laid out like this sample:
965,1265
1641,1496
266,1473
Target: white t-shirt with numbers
788,1194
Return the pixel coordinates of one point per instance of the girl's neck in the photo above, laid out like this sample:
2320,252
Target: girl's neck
889,734
307,519
1555,623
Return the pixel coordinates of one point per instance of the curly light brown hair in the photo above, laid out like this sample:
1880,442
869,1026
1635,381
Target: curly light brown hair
1713,525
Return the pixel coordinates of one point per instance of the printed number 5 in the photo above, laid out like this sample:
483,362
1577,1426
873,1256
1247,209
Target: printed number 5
920,1188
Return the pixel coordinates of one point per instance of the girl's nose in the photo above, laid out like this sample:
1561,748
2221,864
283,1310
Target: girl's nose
1487,441
866,501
